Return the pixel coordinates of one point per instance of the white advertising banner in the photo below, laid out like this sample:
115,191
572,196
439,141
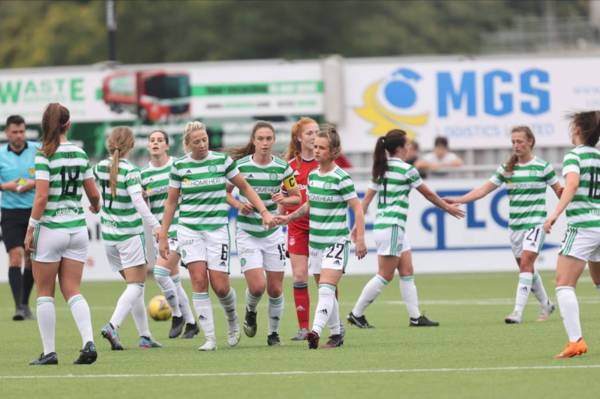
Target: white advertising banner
440,243
160,92
473,102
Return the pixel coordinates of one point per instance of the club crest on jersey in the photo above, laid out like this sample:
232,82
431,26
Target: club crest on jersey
328,185
212,168
273,176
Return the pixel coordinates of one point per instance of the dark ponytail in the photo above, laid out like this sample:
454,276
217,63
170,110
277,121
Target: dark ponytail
589,125
386,145
55,122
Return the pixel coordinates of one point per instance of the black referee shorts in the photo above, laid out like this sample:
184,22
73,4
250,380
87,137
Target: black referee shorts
14,226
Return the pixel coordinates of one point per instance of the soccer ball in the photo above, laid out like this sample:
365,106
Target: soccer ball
159,308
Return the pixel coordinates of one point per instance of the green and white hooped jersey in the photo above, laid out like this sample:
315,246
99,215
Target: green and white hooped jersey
265,180
526,188
328,194
119,219
584,210
65,171
203,201
392,193
155,180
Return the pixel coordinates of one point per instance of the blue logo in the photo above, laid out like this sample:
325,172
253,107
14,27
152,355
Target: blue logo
393,103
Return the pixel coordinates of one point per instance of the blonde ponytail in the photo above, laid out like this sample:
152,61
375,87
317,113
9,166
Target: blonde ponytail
119,143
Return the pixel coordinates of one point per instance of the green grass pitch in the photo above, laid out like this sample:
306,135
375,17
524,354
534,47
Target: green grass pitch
473,354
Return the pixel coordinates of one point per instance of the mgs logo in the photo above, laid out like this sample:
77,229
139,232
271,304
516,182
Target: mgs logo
392,103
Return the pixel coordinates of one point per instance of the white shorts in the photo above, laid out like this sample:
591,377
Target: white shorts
211,247
126,254
333,257
267,252
391,241
51,245
531,240
581,243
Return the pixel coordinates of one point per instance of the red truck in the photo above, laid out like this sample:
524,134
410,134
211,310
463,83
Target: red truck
152,95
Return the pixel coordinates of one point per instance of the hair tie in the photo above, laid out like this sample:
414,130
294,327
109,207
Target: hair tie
382,139
66,124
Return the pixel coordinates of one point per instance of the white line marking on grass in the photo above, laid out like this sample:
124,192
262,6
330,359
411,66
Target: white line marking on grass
431,302
304,372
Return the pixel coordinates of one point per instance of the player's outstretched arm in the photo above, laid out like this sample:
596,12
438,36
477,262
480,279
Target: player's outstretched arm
571,186
451,208
367,199
92,194
474,194
240,182
170,207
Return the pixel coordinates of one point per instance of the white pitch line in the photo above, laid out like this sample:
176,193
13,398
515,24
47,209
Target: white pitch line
304,372
431,302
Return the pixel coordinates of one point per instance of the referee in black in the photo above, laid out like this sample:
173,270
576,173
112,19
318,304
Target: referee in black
17,183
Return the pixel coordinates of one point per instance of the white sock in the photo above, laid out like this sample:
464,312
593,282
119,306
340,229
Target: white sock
275,313
334,323
126,301
81,314
46,318
324,307
228,303
523,289
167,286
184,301
140,317
205,314
537,287
252,301
369,293
408,290
569,311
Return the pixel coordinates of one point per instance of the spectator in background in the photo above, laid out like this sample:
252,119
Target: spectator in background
440,160
412,157
17,172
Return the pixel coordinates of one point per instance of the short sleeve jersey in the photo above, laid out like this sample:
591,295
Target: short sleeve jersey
65,172
15,166
155,180
584,210
327,197
118,217
265,180
203,201
526,187
392,193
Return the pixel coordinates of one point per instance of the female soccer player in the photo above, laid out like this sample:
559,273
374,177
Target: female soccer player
155,182
392,181
301,156
581,199
203,234
526,177
57,234
123,210
330,193
262,249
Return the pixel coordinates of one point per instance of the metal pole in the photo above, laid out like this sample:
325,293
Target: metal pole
111,26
